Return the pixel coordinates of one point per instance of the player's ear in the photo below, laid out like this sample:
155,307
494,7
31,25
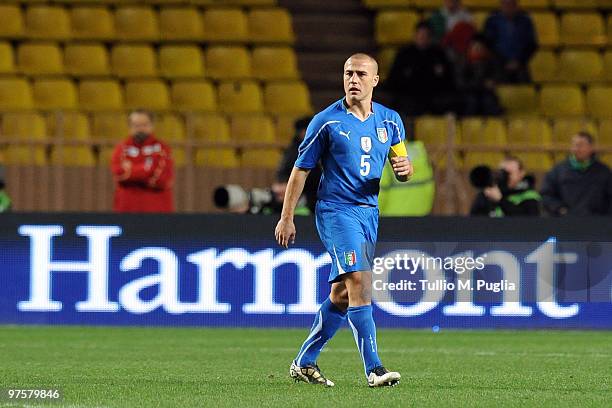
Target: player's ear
376,78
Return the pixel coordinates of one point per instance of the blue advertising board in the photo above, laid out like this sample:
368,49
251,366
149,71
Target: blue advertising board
227,271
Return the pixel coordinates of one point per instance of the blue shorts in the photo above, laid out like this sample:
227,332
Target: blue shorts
348,232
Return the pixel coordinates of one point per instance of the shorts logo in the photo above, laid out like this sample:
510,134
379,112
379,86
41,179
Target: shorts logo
350,258
382,134
366,144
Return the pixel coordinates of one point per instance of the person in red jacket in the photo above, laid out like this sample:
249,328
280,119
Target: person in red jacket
142,168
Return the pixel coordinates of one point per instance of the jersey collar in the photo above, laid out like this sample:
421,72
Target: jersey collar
348,112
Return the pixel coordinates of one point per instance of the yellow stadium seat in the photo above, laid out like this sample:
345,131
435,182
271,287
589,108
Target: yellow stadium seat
284,127
40,59
264,158
136,23
92,22
129,61
395,27
547,28
599,101
531,132
480,19
225,24
24,127
576,4
213,128
73,156
7,58
286,97
375,4
181,61
605,132
475,131
228,62
272,63
580,66
11,21
97,95
47,22
86,59
534,4
147,93
15,93
488,4
252,128
428,4
193,96
386,56
607,71
431,130
68,125
240,97
54,94
561,100
483,132
544,66
109,126
271,25
564,128
582,29
518,99
609,26
171,129
180,23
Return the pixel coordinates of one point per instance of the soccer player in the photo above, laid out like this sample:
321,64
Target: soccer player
352,138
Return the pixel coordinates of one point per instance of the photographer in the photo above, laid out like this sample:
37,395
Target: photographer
510,192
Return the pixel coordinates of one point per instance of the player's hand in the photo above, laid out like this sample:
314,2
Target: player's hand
285,232
402,167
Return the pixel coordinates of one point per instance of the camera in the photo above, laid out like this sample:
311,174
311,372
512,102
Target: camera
234,198
482,177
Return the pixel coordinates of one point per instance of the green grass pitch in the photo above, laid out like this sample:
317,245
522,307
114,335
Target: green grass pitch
192,367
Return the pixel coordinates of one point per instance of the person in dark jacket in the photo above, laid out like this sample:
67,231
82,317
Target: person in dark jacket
512,36
516,198
580,185
421,79
286,166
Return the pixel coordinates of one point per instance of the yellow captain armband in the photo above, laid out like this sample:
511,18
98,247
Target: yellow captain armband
398,150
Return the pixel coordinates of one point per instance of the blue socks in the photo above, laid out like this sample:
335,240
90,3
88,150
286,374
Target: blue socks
326,324
362,323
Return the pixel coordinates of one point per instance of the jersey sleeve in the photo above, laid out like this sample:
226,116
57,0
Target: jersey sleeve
398,131
313,145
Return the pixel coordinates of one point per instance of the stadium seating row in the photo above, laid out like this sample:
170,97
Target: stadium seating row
393,27
247,3
141,60
523,131
493,4
78,126
144,23
278,97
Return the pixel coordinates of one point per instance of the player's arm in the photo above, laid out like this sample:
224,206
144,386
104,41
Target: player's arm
402,167
285,229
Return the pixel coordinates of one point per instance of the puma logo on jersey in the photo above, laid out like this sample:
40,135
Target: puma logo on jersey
346,134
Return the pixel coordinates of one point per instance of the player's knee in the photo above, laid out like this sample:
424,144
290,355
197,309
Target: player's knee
339,297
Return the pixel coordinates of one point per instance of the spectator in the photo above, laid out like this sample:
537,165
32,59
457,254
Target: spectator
512,37
444,20
477,80
5,200
513,195
286,165
421,78
580,185
143,169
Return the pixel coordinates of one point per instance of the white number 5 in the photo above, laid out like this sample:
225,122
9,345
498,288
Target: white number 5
365,165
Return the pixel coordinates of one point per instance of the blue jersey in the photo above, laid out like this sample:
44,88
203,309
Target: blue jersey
353,152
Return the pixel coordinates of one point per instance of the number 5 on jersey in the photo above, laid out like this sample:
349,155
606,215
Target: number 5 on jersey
365,165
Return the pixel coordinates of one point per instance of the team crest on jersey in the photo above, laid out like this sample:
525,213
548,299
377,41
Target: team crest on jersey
366,143
382,134
350,258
